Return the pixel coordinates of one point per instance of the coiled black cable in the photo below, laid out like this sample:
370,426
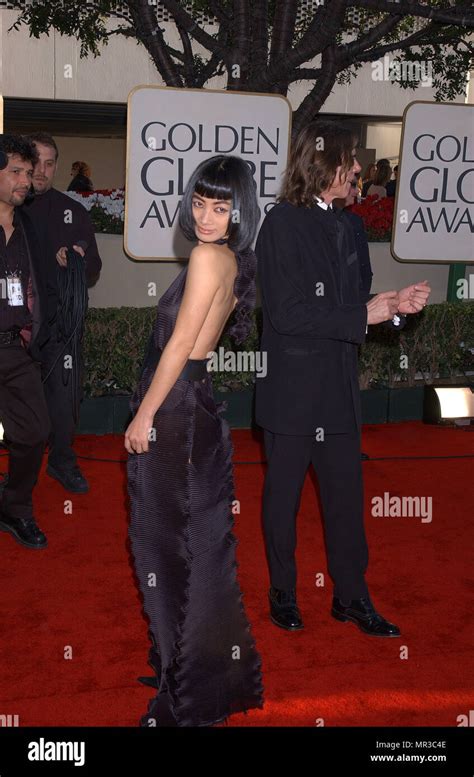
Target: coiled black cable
71,312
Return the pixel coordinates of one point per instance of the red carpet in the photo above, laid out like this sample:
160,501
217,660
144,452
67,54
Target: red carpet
78,598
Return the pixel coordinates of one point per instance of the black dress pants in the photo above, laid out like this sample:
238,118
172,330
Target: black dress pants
337,464
24,415
58,393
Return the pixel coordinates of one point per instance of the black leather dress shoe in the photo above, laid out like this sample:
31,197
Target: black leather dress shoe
24,530
283,610
72,479
362,612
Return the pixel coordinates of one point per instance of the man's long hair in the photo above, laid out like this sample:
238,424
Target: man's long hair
319,149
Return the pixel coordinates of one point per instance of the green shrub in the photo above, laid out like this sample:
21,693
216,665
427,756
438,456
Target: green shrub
440,340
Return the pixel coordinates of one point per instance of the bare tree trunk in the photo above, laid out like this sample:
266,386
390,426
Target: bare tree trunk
149,33
313,102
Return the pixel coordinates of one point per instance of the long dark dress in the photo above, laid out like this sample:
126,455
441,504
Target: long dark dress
181,493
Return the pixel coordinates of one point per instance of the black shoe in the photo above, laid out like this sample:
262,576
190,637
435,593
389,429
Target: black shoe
363,614
3,481
24,530
72,479
283,609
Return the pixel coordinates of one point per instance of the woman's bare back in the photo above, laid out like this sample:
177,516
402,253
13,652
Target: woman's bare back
222,305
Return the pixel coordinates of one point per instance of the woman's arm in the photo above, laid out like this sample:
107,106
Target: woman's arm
202,283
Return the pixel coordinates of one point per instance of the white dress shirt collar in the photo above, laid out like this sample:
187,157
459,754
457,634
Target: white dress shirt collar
322,204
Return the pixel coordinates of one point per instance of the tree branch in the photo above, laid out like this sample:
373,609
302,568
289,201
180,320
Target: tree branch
218,11
283,27
181,16
283,32
305,73
376,53
240,49
188,59
329,18
214,66
259,49
461,17
127,32
322,31
150,34
376,33
320,92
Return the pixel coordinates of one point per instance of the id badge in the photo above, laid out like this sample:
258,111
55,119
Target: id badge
14,291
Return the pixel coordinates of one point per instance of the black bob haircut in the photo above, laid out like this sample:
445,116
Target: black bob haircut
224,177
20,146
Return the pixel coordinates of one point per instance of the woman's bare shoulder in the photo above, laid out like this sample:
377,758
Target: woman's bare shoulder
212,256
207,250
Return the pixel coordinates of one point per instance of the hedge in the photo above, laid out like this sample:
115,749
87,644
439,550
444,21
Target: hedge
435,344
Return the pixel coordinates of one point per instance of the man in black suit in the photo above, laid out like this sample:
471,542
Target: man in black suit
315,314
24,332
62,223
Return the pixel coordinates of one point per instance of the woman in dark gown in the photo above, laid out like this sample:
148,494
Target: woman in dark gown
180,477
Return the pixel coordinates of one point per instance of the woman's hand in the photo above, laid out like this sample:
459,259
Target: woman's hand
137,435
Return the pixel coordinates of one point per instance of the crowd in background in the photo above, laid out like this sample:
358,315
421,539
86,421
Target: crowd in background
379,179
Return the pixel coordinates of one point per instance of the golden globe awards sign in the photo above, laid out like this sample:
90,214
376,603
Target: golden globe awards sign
434,213
170,131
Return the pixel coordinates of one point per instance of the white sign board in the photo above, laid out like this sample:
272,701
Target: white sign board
434,215
170,131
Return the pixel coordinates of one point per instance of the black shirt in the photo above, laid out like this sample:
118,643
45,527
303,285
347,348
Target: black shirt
14,260
61,221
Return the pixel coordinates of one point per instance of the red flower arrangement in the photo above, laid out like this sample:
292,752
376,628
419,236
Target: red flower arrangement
377,215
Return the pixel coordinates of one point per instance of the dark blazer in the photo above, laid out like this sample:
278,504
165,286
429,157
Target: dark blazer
366,274
362,248
310,331
47,212
40,331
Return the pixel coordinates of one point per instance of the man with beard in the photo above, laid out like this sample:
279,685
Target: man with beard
24,332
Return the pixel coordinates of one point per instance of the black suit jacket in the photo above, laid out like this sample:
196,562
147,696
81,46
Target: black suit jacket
314,317
362,248
61,221
366,274
40,331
